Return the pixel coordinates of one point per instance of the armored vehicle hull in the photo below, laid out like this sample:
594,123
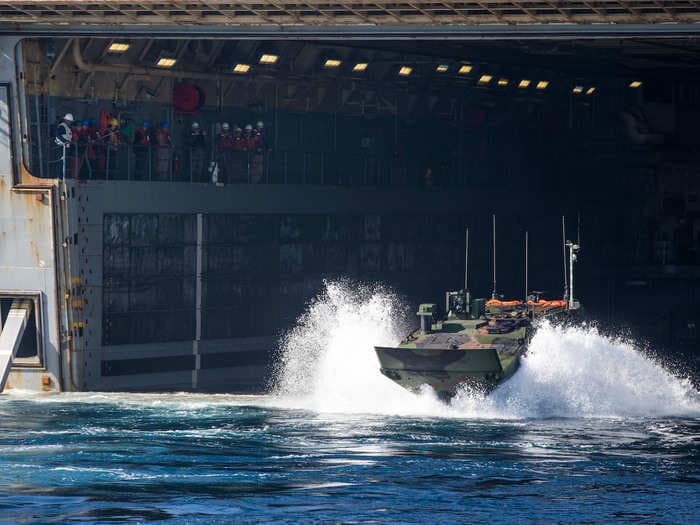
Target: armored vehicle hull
458,353
477,347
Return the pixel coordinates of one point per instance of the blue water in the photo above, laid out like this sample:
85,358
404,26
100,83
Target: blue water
110,458
589,430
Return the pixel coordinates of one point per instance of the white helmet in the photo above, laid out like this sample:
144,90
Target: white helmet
68,117
195,125
248,127
225,126
259,125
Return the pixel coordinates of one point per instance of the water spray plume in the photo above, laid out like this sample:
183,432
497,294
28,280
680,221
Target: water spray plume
328,364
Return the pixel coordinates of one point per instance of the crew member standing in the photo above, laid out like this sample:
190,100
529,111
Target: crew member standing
86,152
238,143
142,141
224,152
163,152
63,140
258,154
248,138
197,152
112,139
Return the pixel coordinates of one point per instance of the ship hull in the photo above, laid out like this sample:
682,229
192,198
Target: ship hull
447,370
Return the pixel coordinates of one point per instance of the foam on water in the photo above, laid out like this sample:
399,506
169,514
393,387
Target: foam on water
328,364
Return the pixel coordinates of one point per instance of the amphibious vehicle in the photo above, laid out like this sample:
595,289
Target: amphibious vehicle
477,344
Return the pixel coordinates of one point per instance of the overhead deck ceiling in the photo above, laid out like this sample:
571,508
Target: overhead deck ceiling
346,12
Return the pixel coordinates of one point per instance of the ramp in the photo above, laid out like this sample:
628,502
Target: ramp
11,335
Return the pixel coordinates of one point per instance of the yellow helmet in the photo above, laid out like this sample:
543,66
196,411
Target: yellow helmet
114,122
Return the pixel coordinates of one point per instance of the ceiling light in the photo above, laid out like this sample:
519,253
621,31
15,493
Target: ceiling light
360,67
331,63
577,89
503,82
590,91
241,68
465,69
442,68
404,71
268,59
542,84
635,84
118,47
485,79
165,61
524,84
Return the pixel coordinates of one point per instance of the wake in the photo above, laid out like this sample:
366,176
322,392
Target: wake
327,364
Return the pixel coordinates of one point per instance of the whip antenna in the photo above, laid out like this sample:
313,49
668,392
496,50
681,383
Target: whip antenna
493,293
466,263
526,266
578,228
467,295
563,247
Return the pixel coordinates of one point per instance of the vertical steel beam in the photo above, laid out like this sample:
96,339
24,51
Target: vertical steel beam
198,301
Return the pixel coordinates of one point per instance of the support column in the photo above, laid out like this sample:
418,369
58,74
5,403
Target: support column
198,301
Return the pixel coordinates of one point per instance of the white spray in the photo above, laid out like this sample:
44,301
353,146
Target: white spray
328,364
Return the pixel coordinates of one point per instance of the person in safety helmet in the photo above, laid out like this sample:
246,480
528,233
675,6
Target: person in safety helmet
257,160
259,137
224,152
142,150
164,151
248,138
63,140
196,152
238,143
112,139
86,151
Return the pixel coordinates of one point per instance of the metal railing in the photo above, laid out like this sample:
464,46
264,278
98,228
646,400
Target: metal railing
172,164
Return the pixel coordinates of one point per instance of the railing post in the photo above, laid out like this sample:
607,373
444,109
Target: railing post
285,167
107,157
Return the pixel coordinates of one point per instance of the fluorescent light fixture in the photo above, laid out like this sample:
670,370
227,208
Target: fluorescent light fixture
542,84
332,63
165,61
360,67
524,83
118,47
442,68
485,79
590,91
503,82
464,69
268,59
577,89
241,68
404,71
635,84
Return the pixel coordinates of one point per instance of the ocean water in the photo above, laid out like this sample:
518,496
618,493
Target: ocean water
589,430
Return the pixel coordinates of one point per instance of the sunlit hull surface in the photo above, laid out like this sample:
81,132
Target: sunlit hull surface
446,370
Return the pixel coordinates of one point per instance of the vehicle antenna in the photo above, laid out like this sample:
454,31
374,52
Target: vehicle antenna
467,295
563,246
493,293
466,263
526,266
578,228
